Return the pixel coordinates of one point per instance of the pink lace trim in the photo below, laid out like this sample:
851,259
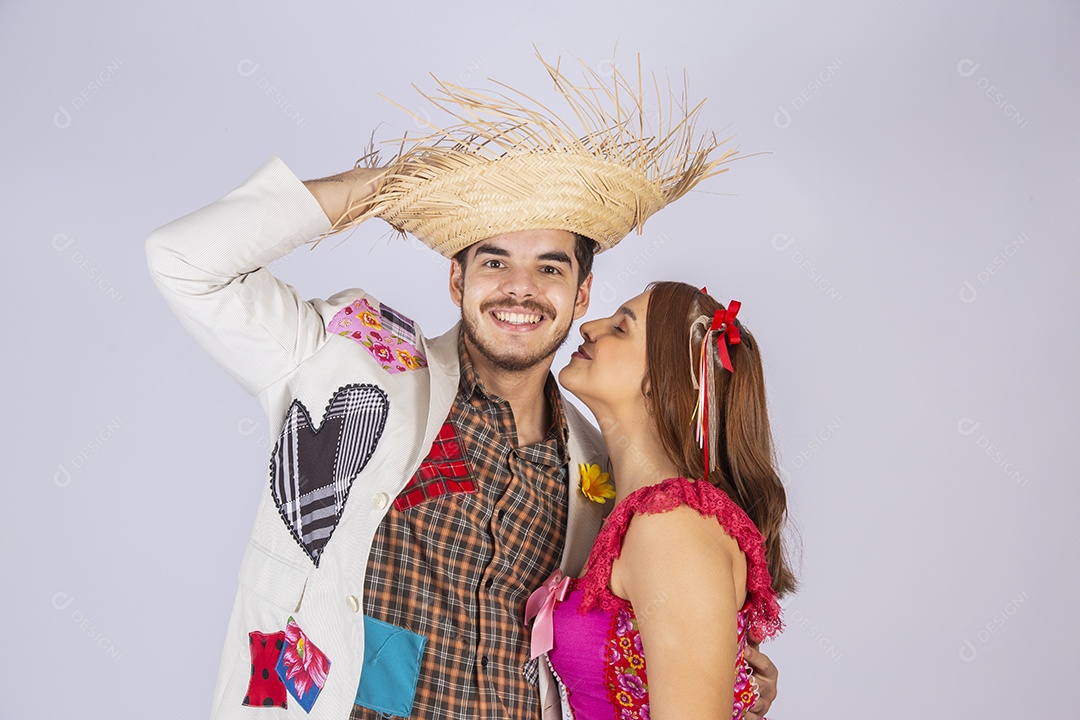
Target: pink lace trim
764,613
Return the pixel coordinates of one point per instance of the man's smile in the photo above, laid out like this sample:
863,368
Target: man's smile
526,317
517,318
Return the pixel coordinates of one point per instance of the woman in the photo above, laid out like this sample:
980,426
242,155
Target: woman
684,570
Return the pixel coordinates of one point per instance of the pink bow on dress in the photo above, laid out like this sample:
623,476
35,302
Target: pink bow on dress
541,605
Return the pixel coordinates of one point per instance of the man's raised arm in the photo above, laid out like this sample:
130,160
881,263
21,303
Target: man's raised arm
210,267
345,195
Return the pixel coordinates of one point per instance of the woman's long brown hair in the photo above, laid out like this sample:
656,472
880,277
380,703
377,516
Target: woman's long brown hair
746,464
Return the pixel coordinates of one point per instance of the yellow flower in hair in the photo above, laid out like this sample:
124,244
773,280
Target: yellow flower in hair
595,485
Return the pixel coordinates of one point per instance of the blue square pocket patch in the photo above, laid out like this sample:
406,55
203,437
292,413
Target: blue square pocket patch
391,667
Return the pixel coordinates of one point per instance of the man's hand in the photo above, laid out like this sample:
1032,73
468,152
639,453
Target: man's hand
765,676
345,196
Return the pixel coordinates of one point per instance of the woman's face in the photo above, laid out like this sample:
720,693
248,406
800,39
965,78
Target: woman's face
609,367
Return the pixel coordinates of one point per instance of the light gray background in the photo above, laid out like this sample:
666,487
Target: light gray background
905,254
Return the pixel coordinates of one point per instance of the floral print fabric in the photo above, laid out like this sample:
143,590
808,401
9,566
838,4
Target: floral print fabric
385,333
285,663
598,654
624,673
302,667
613,684
746,692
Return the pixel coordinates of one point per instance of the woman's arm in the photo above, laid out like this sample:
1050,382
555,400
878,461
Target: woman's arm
686,579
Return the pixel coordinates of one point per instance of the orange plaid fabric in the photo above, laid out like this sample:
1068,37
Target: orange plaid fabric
456,562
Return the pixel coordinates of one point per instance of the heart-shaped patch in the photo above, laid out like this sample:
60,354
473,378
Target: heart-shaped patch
311,470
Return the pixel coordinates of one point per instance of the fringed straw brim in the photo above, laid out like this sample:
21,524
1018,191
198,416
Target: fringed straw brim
511,164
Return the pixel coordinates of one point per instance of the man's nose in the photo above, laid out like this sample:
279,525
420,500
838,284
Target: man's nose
519,283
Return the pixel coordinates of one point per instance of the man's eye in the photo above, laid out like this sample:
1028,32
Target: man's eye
493,263
550,270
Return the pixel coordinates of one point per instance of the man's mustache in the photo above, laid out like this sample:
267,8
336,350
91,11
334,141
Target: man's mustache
534,306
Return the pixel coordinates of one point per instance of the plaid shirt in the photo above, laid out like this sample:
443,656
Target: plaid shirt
463,547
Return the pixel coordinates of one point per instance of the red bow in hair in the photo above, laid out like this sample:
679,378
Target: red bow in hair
724,322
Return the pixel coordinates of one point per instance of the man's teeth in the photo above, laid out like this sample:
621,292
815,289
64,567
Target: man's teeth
518,318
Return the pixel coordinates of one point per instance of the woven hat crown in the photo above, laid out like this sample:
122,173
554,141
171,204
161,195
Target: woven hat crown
509,163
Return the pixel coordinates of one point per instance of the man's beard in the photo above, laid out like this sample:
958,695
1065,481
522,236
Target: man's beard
512,363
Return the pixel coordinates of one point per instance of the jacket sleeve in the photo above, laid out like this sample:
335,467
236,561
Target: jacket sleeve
210,266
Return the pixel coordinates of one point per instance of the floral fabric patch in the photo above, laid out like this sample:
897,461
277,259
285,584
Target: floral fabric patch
443,471
302,667
388,335
626,679
265,688
746,691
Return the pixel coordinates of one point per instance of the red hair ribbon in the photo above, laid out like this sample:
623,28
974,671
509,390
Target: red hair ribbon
724,321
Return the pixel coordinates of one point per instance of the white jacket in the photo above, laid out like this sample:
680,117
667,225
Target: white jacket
211,268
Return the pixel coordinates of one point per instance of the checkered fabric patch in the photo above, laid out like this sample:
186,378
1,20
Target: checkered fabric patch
399,325
388,335
312,468
443,471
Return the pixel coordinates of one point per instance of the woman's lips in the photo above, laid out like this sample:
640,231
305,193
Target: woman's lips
580,353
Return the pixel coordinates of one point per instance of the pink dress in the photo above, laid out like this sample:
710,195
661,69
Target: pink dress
596,651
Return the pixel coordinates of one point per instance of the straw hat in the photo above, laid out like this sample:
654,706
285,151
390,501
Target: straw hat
509,163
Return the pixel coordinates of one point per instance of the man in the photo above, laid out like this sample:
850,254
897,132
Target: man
404,527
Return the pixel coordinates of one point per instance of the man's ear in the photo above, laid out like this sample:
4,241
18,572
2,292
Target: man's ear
584,294
457,281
